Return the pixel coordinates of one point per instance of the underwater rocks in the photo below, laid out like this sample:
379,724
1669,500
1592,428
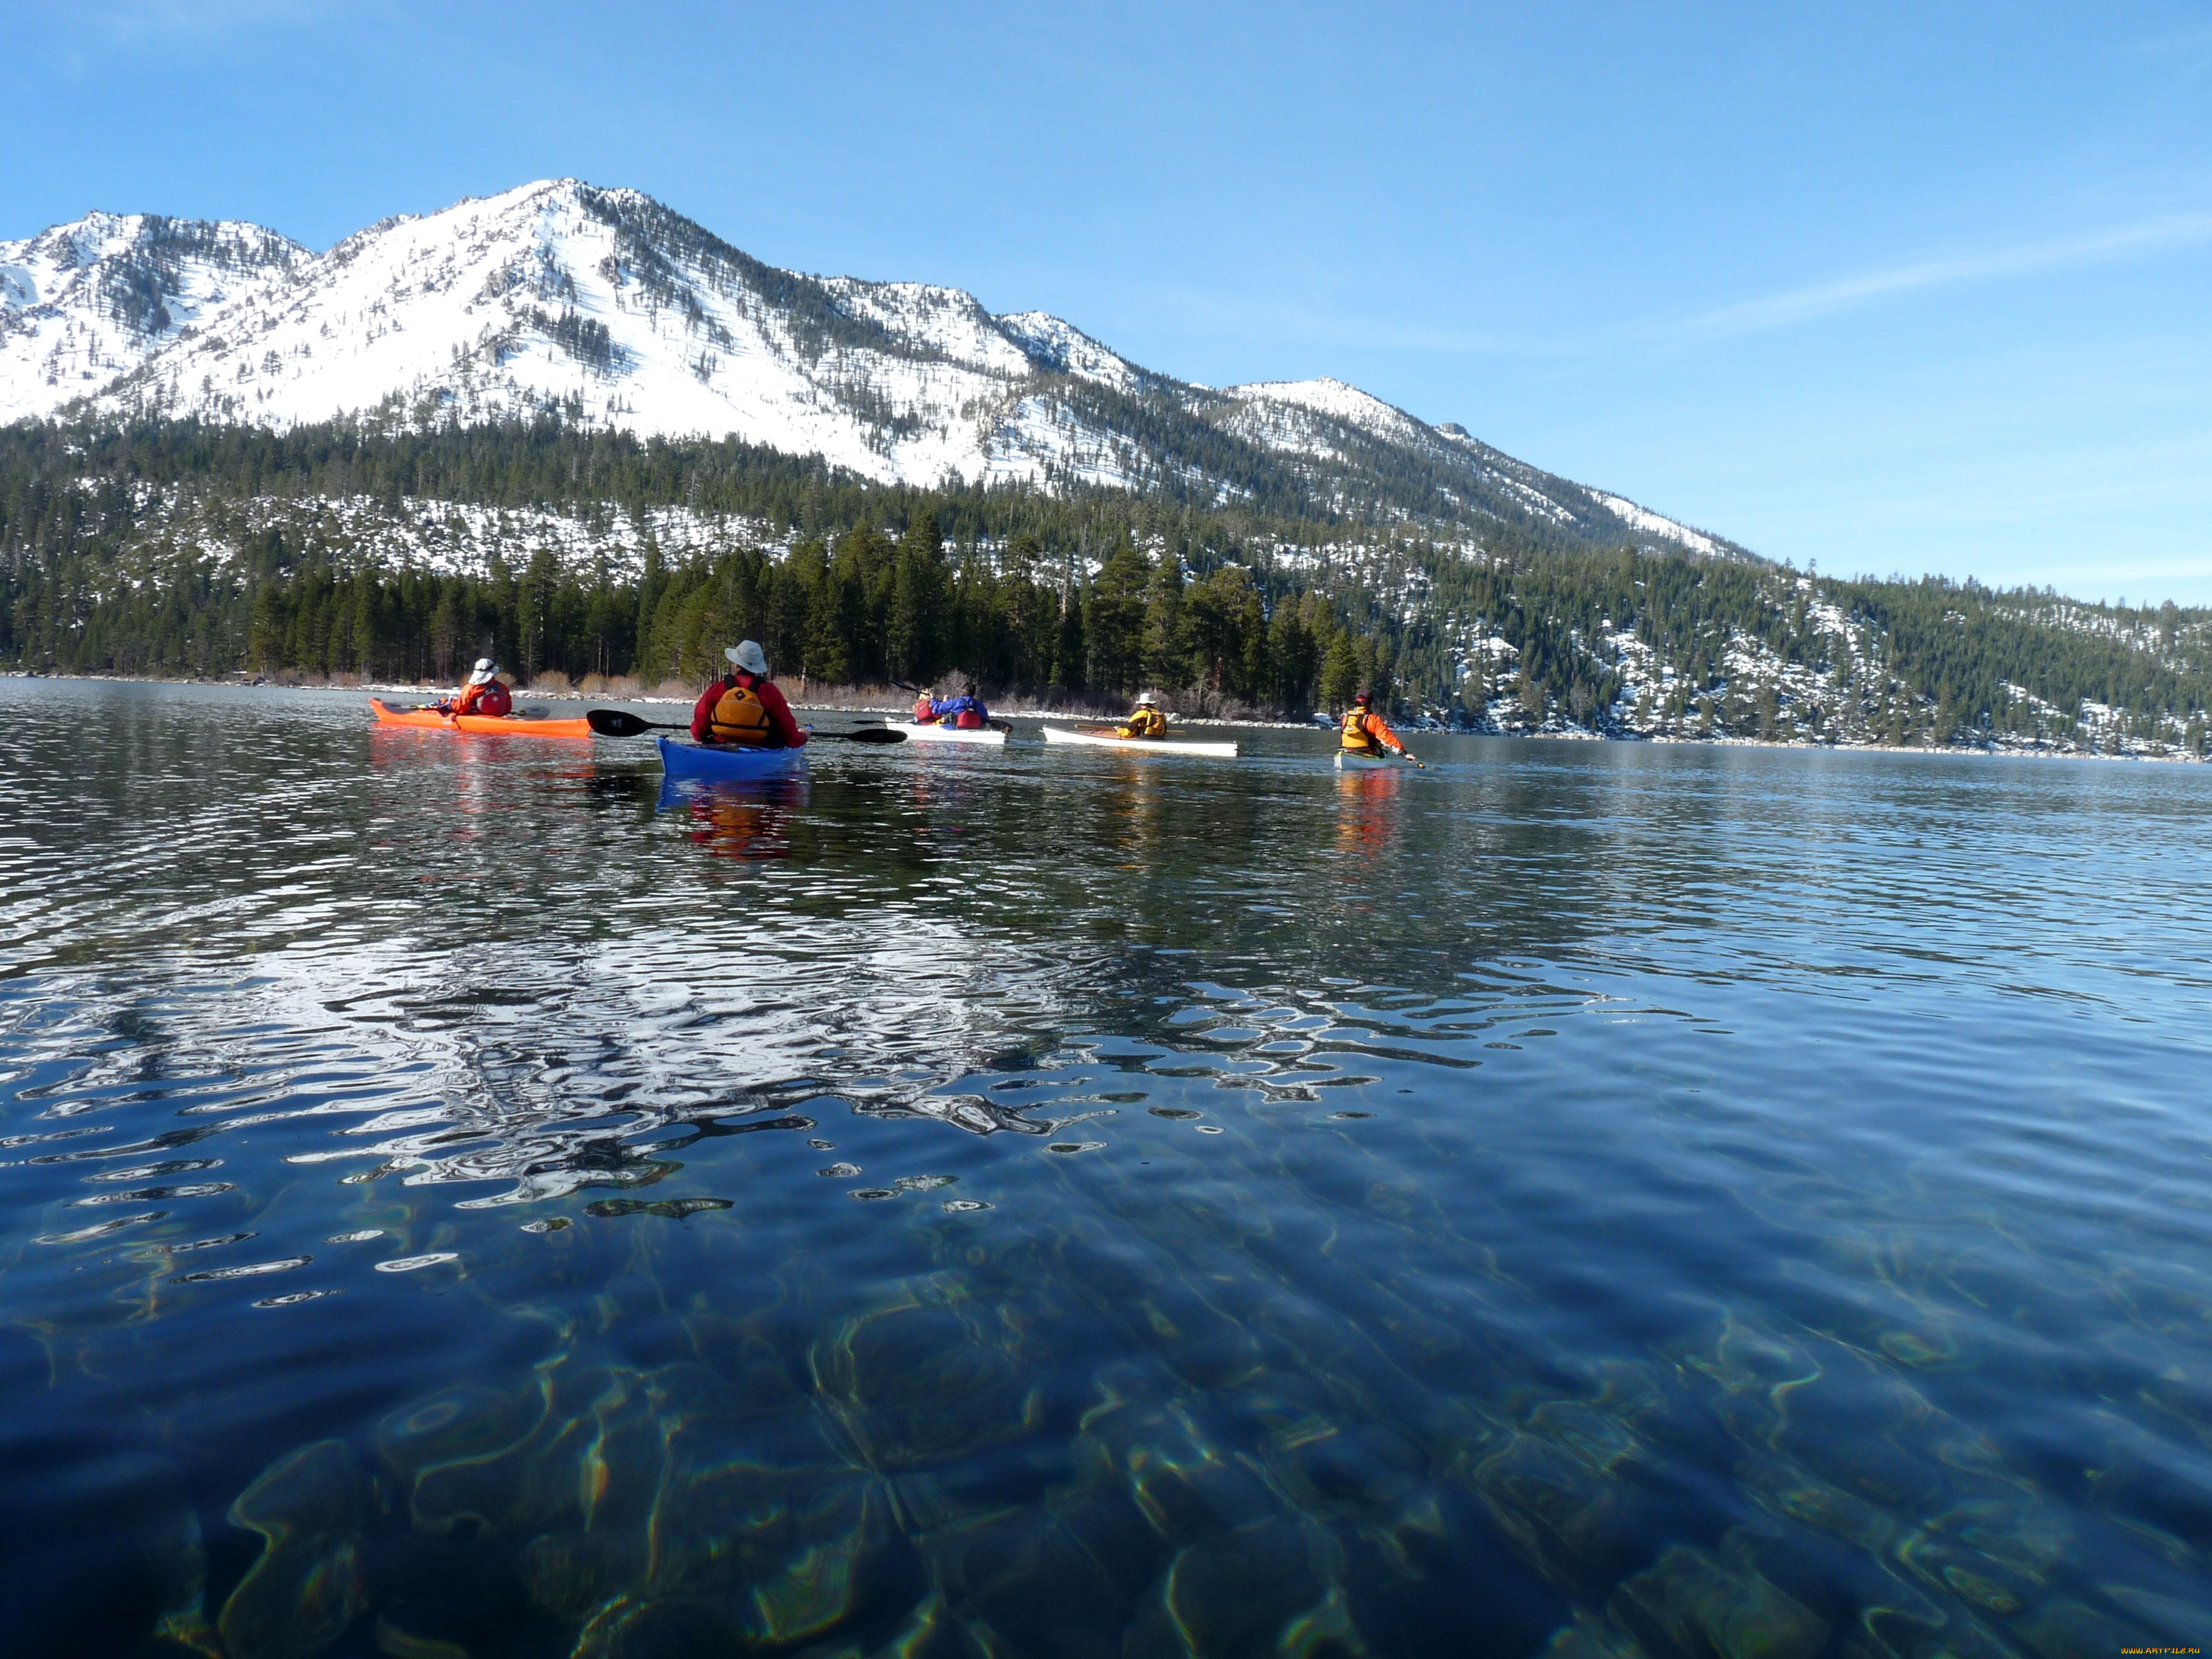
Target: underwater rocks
312,1508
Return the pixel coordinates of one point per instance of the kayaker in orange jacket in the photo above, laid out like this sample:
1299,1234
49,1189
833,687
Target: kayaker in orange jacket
744,708
485,694
1366,731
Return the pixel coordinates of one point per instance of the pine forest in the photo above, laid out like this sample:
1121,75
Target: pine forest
340,554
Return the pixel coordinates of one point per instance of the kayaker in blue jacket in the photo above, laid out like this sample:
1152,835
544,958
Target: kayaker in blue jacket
965,710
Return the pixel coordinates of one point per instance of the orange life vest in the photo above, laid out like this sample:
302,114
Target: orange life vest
740,717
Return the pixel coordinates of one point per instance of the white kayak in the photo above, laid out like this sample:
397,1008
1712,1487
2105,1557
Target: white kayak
1141,746
934,733
1348,761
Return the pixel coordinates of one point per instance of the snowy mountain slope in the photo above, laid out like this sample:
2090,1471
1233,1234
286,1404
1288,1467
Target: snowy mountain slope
602,307
1281,404
1652,524
1334,432
83,303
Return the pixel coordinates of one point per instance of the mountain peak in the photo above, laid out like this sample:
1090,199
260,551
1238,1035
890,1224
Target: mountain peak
602,307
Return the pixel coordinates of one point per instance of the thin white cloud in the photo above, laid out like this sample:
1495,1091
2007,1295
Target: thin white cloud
1820,299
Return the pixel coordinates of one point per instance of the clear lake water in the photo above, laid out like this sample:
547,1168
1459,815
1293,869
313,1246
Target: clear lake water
458,1198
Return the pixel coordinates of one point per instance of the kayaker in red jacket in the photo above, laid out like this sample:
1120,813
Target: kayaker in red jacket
744,708
485,694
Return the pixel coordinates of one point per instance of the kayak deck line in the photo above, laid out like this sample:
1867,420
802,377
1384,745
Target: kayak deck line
1142,745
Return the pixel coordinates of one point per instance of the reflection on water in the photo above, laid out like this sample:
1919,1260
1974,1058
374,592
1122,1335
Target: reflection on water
456,1198
742,820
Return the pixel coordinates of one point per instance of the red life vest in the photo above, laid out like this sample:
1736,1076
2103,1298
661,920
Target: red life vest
491,699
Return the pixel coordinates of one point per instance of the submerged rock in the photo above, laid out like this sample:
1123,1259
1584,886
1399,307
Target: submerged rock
312,1507
784,1554
674,1629
461,1424
919,1380
1185,1485
1576,1523
1690,1601
1266,1589
1036,1583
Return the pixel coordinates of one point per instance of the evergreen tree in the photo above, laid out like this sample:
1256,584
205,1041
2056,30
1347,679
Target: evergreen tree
1340,675
1071,658
1166,645
920,603
1114,621
1291,651
534,622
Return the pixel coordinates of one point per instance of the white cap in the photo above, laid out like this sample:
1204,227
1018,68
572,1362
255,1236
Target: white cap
748,656
485,669
1146,699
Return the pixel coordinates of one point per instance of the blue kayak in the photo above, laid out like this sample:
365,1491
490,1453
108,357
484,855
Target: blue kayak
691,760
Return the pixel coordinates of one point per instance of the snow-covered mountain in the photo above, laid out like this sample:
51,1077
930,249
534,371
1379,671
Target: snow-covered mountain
604,309
84,303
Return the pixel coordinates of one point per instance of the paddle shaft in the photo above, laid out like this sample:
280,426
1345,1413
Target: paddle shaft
621,723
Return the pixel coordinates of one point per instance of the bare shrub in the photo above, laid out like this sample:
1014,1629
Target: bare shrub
552,683
815,695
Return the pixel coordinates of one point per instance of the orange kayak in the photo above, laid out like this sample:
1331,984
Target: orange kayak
515,726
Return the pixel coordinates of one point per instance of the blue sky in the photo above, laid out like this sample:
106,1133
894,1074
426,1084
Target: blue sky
1883,288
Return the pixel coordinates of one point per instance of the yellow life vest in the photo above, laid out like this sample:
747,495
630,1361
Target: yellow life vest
1357,736
740,717
1145,723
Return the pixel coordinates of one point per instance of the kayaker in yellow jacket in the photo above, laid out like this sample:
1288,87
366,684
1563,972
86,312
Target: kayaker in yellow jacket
1366,731
1145,720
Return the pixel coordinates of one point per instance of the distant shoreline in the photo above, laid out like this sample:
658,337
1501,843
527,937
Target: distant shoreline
367,689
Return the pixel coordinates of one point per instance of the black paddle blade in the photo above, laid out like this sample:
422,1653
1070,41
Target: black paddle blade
617,723
867,734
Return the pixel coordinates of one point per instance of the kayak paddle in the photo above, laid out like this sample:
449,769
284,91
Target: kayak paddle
621,723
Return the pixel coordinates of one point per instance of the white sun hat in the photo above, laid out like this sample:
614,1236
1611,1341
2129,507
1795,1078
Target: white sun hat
485,669
748,656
